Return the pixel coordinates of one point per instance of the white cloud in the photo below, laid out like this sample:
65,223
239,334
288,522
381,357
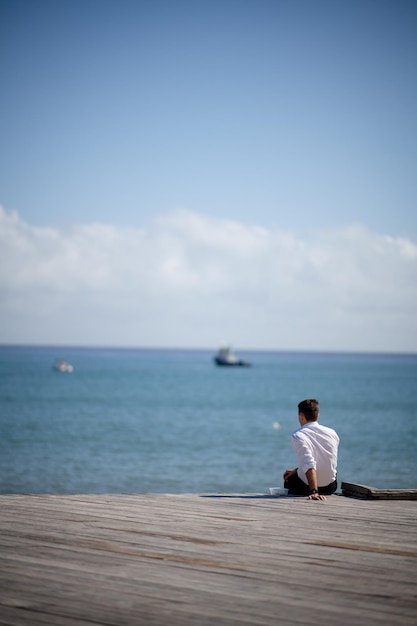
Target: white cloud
190,280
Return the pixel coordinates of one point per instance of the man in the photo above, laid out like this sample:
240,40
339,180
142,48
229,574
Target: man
316,449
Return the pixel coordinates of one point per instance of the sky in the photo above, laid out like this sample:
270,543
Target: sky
192,173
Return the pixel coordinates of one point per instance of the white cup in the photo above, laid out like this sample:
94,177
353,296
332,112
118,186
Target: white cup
278,491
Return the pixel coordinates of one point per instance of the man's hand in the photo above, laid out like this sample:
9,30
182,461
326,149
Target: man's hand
316,496
289,472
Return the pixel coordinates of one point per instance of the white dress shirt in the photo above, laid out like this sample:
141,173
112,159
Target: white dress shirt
316,448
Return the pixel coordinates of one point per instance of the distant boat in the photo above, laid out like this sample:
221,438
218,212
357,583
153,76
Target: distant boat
226,356
63,366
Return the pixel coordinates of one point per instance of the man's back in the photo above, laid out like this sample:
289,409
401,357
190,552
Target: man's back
316,447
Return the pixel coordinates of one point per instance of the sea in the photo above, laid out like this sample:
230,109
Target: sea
171,421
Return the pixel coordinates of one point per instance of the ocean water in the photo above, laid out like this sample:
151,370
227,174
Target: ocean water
170,421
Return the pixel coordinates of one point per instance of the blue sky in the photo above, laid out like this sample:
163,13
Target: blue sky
161,120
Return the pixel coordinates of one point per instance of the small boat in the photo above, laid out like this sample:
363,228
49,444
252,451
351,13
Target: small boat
226,356
63,366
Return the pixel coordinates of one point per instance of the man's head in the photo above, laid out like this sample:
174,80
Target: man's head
309,410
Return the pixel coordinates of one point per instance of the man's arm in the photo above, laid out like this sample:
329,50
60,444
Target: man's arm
312,483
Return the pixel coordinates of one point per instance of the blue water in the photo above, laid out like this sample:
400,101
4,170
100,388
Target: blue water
142,421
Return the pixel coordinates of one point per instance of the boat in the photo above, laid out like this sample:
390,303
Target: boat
63,366
226,356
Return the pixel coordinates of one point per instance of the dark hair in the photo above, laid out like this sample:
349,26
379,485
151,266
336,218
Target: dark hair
310,409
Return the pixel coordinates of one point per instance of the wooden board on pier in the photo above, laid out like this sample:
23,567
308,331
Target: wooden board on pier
362,491
204,560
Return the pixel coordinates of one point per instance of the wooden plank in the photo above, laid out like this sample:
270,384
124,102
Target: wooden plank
186,559
362,491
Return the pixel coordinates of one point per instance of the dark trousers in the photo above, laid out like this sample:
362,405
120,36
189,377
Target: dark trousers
297,487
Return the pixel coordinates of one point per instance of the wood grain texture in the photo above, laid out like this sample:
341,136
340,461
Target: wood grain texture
224,559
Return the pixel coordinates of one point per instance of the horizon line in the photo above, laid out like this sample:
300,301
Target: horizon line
209,349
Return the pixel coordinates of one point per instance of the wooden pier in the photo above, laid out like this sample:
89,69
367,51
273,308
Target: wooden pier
218,560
